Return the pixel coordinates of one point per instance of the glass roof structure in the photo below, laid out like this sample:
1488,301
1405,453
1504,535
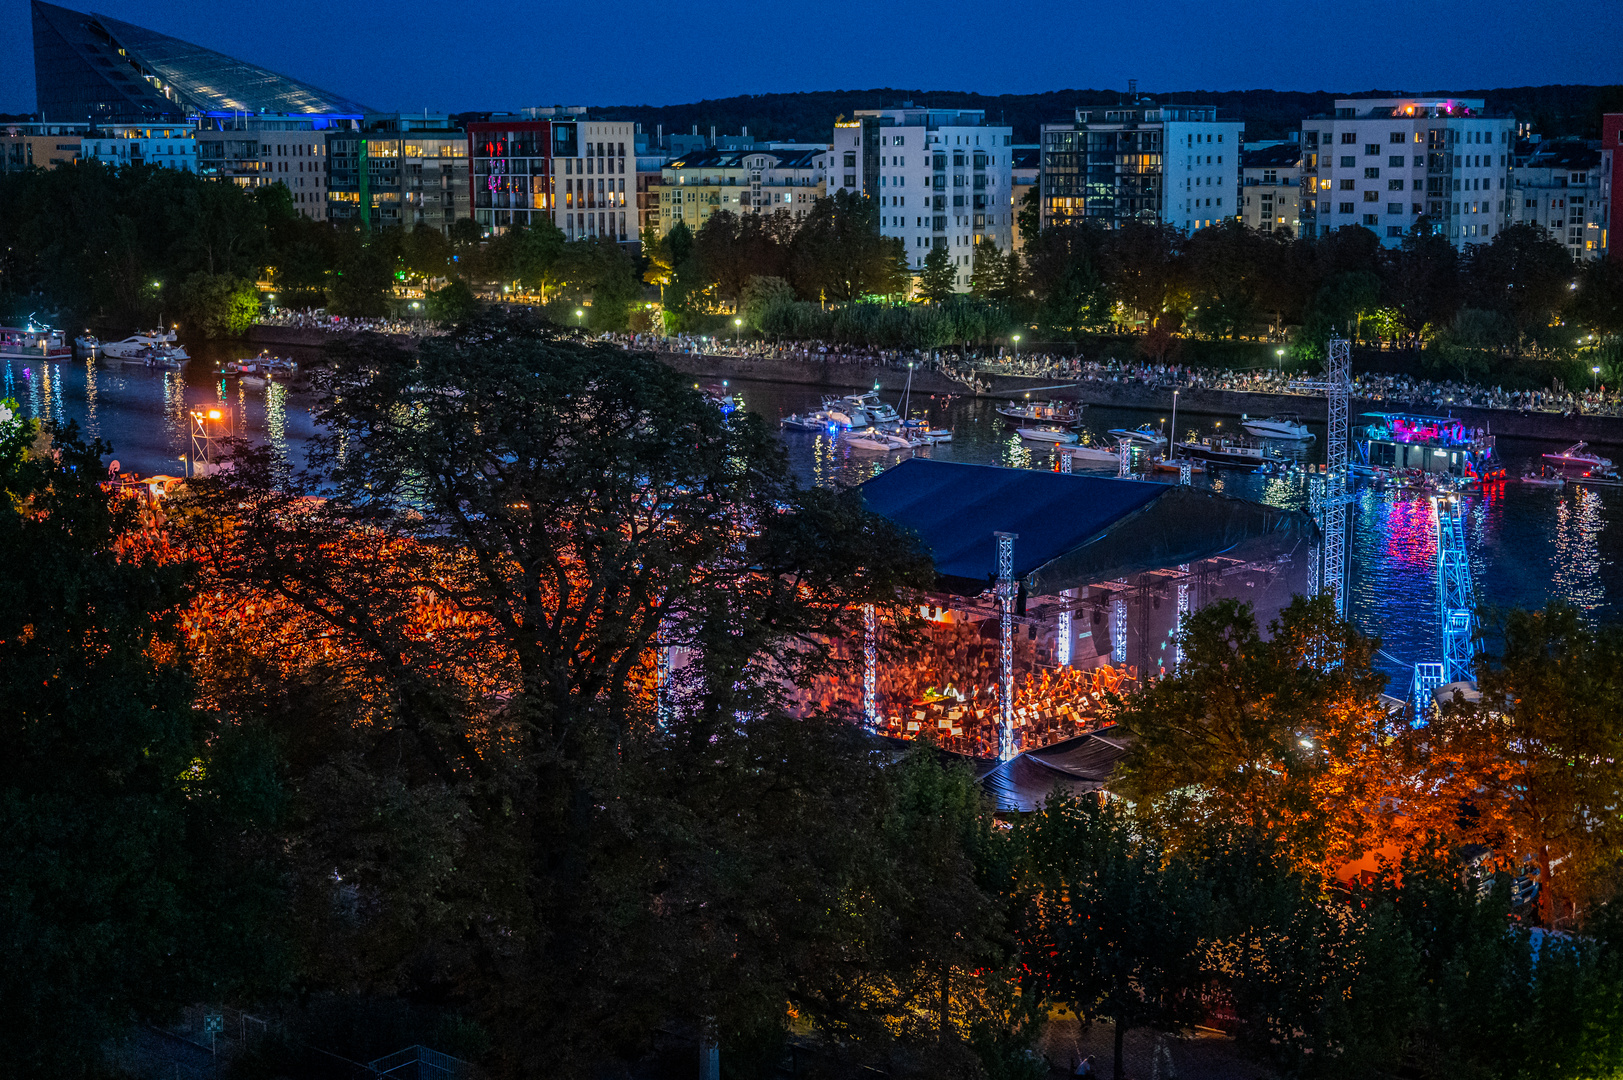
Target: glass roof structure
91,67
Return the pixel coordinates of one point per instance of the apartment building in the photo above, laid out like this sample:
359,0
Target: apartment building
1611,176
288,149
701,183
1557,186
44,146
785,178
555,163
400,169
1177,164
1386,163
1025,173
943,178
1271,187
171,146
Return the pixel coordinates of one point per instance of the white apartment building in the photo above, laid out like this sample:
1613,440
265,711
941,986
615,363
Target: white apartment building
288,149
171,147
1178,164
1384,163
942,179
1270,180
1557,186
555,163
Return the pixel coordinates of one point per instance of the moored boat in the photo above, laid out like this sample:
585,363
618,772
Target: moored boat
1230,453
1048,434
1578,460
1144,435
861,410
1287,427
1408,448
1048,412
29,341
131,346
1100,454
874,439
809,421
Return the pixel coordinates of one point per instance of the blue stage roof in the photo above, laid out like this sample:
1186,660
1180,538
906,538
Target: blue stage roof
955,508
1072,530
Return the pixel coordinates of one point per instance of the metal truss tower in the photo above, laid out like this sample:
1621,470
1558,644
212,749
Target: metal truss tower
1005,596
1124,456
1338,386
870,662
1454,590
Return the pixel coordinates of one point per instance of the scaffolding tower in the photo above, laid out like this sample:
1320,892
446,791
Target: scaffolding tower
1454,589
1005,596
1338,386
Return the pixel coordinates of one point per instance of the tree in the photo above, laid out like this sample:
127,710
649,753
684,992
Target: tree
452,303
939,281
1066,271
1029,217
218,305
1139,262
990,277
560,509
122,800
1523,274
1107,925
1422,279
839,254
1597,304
1282,734
1529,769
1228,267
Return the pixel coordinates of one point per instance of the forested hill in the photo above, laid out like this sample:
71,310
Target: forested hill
1268,114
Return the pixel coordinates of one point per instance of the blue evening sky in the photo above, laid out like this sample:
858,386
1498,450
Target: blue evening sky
401,54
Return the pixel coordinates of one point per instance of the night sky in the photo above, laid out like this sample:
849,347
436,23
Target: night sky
400,54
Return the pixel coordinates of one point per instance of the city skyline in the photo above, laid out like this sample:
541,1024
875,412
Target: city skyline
412,59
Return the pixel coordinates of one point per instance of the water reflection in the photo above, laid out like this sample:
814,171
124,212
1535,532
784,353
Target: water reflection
1579,518
92,418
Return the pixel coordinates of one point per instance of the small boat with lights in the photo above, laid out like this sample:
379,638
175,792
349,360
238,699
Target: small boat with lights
880,441
1579,460
32,342
1064,413
1143,435
1094,455
1048,434
1230,453
1409,447
809,421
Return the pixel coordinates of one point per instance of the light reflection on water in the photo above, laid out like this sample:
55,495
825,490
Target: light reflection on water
1527,544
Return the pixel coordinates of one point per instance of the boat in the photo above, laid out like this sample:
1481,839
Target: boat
132,345
1426,451
1543,479
258,370
86,342
1162,465
1284,426
153,357
1049,412
810,421
920,429
1575,461
874,439
1230,453
722,398
1143,435
1048,434
31,342
861,410
1101,454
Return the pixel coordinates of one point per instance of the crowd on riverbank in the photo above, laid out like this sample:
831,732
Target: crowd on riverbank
975,371
344,324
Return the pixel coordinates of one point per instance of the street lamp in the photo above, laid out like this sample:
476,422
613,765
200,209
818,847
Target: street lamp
580,314
1281,354
738,328
1017,348
1594,380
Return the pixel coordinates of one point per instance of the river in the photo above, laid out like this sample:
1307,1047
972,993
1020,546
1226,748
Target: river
1527,544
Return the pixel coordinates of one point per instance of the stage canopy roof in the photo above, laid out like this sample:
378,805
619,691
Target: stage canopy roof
1072,530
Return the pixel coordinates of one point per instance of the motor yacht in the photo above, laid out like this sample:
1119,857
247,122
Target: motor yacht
131,346
1143,435
1048,434
809,421
1577,460
883,441
861,410
1285,426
